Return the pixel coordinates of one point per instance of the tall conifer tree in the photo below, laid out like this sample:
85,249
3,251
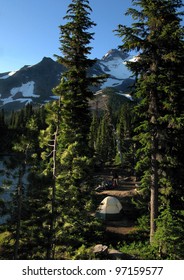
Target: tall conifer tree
74,88
72,161
158,37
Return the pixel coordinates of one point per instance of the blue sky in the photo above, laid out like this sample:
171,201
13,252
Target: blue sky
29,29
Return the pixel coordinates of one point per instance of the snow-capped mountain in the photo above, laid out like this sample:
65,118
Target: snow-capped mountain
29,84
114,64
34,84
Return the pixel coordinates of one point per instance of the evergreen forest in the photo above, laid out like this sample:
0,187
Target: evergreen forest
53,157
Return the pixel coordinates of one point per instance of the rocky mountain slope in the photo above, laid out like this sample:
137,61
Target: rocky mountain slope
34,84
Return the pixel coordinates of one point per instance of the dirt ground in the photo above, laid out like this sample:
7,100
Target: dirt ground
127,188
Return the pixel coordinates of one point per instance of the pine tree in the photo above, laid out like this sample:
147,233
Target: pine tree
2,119
69,120
74,88
125,127
169,235
93,130
3,131
105,141
28,206
158,37
15,171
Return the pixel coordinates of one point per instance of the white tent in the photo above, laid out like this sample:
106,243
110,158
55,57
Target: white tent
109,209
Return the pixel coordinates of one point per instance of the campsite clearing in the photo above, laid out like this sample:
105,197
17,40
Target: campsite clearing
127,189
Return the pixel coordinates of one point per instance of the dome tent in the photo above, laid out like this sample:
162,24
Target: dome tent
109,209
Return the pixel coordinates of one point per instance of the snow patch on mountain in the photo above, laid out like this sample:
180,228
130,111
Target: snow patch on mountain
9,182
29,82
8,75
25,90
111,82
126,95
132,59
116,68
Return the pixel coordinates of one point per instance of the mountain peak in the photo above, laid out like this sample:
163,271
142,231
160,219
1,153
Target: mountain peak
35,83
47,59
115,53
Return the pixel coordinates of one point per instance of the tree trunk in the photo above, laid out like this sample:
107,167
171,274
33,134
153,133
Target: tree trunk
19,211
154,164
51,249
154,189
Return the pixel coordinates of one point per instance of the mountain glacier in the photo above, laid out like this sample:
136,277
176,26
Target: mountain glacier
114,64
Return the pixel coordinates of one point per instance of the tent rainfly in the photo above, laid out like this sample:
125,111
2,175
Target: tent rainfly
109,209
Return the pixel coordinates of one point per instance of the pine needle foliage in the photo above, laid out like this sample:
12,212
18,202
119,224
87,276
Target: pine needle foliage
69,121
157,36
